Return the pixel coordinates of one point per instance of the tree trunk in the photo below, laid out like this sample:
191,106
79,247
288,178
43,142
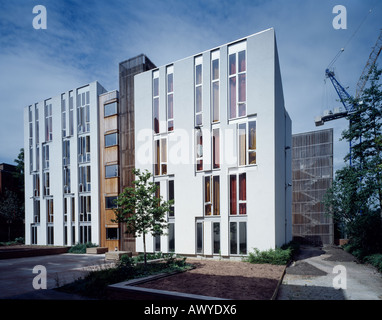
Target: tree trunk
144,249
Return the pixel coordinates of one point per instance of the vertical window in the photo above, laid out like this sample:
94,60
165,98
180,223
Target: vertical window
45,156
170,98
84,179
83,112
156,101
247,143
63,115
37,157
50,235
33,234
211,195
160,157
36,185
216,148
199,149
36,211
237,80
66,174
238,194
46,183
37,124
30,138
85,208
215,75
199,237
71,103
198,91
171,197
216,237
49,210
238,237
66,152
48,122
171,237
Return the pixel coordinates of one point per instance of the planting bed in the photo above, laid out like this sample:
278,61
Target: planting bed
223,279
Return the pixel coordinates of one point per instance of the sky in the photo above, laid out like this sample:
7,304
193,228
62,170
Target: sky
85,40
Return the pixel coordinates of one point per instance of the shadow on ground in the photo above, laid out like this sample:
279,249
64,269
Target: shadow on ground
295,292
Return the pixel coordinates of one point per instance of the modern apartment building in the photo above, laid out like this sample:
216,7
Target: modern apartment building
61,142
213,130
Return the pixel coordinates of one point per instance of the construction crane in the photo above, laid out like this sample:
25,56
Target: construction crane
348,106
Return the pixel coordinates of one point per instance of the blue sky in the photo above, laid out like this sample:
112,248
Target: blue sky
86,39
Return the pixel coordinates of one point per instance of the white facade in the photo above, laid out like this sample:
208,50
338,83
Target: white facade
232,187
62,168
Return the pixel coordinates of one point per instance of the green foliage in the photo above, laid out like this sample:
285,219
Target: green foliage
375,260
276,256
141,209
355,198
81,247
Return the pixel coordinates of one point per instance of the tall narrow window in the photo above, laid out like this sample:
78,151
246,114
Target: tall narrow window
247,143
237,69
66,152
171,237
199,149
238,237
211,195
66,174
199,237
156,101
160,157
84,148
48,122
46,177
63,115
216,148
170,98
171,197
37,125
36,211
71,104
198,91
49,210
45,156
216,237
83,112
215,75
238,194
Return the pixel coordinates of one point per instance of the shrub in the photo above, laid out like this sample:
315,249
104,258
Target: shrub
276,256
375,260
81,247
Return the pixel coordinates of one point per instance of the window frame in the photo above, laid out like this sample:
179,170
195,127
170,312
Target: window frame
115,112
235,50
116,171
247,137
170,93
239,203
116,139
213,196
198,115
215,56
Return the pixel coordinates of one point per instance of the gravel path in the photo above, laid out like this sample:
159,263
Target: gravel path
317,271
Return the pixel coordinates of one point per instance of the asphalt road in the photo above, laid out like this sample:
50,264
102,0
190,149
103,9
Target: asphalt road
17,280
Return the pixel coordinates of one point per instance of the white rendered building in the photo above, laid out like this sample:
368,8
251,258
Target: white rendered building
213,130
61,141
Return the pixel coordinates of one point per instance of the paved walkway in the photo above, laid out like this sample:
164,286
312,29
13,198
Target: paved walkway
16,275
317,272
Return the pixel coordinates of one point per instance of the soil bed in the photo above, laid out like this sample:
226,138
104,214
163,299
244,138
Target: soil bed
224,279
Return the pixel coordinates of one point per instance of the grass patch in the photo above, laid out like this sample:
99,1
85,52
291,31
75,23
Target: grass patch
278,256
94,285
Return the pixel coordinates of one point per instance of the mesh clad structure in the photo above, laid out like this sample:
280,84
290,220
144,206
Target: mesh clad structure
312,169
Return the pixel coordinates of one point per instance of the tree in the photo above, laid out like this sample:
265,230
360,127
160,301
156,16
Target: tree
11,210
19,174
357,188
141,209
